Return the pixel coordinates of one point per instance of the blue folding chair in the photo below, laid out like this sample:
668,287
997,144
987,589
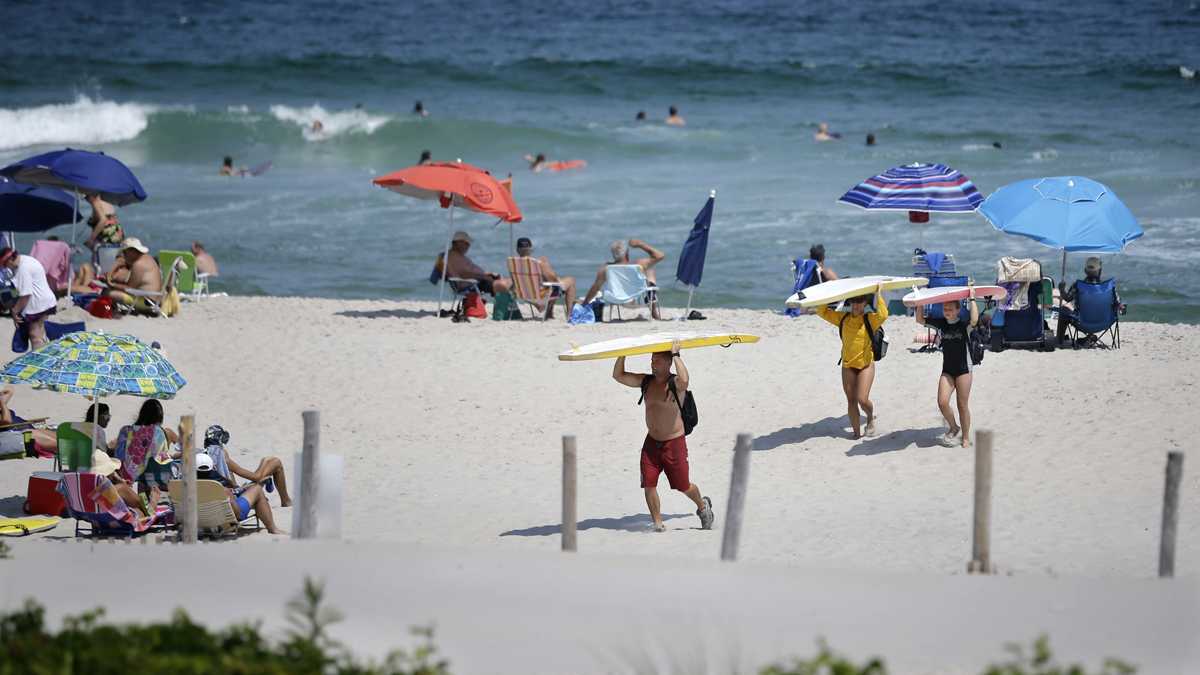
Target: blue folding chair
1096,315
805,271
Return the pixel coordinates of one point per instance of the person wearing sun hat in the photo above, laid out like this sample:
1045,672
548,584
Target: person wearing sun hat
463,267
35,300
144,275
109,467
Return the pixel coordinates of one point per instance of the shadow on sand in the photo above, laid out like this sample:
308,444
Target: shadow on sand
830,427
897,440
387,313
638,522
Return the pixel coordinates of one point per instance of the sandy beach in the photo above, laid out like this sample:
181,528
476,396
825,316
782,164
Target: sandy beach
451,435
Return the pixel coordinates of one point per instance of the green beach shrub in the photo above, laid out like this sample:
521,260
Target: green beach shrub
85,645
1040,661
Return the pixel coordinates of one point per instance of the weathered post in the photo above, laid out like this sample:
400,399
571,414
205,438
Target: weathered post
732,531
1170,517
569,513
981,542
310,466
188,519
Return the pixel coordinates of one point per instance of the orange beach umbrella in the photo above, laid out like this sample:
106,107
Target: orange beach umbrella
454,184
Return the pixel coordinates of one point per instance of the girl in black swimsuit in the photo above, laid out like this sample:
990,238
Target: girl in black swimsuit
956,367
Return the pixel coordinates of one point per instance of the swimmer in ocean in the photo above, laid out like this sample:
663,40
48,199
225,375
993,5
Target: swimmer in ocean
673,117
996,145
824,134
317,127
228,170
640,117
870,139
536,163
419,109
426,158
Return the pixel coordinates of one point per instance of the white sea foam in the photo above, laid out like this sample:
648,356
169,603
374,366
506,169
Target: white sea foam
242,109
335,123
83,121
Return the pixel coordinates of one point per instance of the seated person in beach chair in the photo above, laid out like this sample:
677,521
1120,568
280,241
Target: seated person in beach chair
535,282
144,279
628,294
244,499
1091,307
807,272
146,452
269,473
94,499
462,269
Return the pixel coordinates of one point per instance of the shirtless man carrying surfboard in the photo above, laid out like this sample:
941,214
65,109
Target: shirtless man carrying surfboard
665,448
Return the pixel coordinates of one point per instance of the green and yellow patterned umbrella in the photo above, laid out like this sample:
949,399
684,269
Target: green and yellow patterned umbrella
96,364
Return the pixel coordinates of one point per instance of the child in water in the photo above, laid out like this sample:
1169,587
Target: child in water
956,367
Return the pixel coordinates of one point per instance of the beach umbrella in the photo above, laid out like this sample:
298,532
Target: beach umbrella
1071,213
454,184
29,208
691,259
917,188
81,171
96,364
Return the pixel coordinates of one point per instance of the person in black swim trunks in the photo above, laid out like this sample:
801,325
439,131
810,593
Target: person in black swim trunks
956,367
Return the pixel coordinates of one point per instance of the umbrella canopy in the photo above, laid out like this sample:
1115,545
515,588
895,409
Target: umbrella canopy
1071,213
691,259
916,187
29,208
96,364
454,184
92,173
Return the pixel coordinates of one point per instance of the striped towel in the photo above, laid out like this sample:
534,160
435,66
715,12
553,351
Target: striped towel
527,279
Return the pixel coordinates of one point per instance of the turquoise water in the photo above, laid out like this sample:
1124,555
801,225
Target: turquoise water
170,88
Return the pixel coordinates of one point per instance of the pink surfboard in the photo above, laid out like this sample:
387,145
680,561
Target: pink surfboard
933,296
565,166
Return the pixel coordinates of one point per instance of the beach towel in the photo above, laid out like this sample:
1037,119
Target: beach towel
1018,269
581,314
94,499
217,454
20,339
935,261
55,256
137,445
1016,295
624,284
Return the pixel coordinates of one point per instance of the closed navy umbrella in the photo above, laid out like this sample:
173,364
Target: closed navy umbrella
695,249
30,208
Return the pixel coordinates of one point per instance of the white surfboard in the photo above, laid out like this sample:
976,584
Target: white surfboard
648,344
934,296
849,287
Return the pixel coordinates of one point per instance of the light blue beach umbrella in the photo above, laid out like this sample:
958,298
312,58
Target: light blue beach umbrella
1071,213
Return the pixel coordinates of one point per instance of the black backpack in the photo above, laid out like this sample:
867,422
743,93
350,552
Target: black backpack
978,339
879,343
687,407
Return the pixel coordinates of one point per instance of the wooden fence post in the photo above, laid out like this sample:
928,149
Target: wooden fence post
981,541
732,531
569,513
188,520
1170,516
310,466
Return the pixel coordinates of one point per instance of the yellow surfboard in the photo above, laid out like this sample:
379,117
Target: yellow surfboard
648,344
19,527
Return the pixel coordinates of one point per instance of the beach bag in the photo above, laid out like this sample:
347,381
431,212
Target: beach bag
687,407
473,306
977,340
504,308
170,302
581,314
879,341
101,308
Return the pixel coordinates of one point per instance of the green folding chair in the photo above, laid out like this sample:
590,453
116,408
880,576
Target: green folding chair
74,449
185,280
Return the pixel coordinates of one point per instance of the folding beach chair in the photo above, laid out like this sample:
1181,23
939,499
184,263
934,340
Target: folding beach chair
95,505
74,448
531,289
186,281
164,303
214,514
1097,313
627,285
1019,320
460,287
805,273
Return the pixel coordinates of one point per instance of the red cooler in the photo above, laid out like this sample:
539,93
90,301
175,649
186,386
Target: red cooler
43,497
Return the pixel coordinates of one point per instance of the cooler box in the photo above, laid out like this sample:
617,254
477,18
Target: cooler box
43,497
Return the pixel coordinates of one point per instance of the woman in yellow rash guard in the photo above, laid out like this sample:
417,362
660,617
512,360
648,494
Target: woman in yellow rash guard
858,359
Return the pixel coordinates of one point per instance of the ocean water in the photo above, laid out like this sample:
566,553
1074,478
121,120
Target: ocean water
172,87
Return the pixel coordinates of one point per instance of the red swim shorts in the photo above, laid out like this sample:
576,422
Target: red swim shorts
665,456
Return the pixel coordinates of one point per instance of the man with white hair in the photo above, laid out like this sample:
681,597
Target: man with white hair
620,256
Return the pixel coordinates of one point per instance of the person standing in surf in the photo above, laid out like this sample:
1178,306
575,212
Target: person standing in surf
956,373
858,357
665,448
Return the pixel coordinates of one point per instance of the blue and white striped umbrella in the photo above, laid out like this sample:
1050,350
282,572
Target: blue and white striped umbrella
916,187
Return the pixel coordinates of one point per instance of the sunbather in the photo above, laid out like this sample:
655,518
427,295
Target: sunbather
462,267
41,437
103,465
145,450
525,250
956,372
620,256
144,275
269,468
243,498
858,357
1092,271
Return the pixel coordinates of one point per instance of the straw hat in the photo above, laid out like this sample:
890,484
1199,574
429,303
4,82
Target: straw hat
104,465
